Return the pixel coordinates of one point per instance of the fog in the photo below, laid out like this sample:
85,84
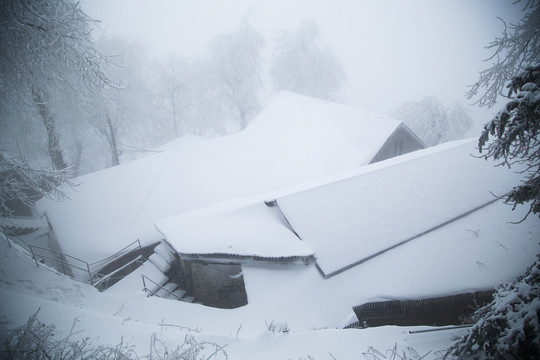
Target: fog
392,51
165,69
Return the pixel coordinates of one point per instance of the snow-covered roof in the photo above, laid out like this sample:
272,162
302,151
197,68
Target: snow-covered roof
296,139
324,124
237,228
387,204
353,216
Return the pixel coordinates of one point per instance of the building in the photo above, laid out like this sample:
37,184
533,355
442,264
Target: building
294,140
341,222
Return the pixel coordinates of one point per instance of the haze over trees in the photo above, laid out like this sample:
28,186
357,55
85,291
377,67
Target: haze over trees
235,68
121,114
303,65
81,104
433,122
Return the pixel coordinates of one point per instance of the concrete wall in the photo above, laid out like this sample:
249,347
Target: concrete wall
402,141
217,285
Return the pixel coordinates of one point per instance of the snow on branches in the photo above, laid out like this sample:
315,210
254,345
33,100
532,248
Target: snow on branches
509,324
517,47
21,182
516,136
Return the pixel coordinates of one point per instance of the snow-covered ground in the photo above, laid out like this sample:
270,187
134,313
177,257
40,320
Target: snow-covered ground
132,318
469,255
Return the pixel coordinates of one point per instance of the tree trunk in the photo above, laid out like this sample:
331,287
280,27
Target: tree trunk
50,127
112,141
78,157
173,104
243,120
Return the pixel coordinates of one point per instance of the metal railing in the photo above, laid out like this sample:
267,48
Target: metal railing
158,287
72,266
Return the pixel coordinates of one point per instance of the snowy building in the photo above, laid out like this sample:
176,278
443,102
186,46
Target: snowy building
295,139
440,195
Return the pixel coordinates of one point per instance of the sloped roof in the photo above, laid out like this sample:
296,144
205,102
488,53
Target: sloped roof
367,132
294,140
356,215
240,227
349,221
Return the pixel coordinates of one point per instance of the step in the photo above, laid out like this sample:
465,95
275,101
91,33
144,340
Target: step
159,262
133,281
166,290
165,252
188,299
167,246
177,294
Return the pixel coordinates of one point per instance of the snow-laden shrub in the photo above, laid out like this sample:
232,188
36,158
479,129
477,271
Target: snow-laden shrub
509,326
396,353
277,327
38,341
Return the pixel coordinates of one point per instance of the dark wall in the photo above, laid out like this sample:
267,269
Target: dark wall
402,141
439,311
217,285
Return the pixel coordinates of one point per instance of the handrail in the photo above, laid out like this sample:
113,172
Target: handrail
109,275
114,256
90,270
154,293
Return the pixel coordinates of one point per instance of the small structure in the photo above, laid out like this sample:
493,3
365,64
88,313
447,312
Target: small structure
240,233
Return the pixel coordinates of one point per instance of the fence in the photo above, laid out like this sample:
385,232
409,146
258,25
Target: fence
72,266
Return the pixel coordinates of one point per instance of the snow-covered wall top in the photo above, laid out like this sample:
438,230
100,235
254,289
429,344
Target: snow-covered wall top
294,140
389,202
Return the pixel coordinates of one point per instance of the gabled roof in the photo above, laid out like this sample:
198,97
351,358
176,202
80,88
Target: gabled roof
294,140
352,220
324,123
349,218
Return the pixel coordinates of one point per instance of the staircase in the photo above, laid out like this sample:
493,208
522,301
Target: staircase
166,260
160,275
157,264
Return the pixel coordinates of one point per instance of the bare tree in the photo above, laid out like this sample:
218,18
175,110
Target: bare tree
123,114
303,65
235,72
177,82
46,49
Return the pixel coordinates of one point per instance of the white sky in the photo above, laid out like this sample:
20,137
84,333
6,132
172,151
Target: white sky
393,51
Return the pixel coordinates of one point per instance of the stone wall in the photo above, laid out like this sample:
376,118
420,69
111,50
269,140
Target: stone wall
217,285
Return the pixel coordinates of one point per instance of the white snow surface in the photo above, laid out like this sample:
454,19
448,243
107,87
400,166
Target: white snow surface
351,216
475,252
111,208
296,139
239,227
387,203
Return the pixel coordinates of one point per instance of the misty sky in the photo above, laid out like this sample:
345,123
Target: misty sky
393,51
